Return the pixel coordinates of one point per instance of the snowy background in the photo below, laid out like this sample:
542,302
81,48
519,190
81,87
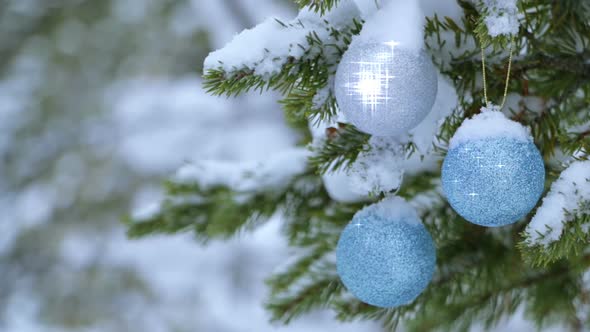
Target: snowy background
100,101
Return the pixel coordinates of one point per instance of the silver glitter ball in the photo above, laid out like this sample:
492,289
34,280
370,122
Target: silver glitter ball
384,89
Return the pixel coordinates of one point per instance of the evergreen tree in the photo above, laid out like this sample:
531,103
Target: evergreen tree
483,274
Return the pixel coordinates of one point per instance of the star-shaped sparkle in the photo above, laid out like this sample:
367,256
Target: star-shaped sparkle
371,83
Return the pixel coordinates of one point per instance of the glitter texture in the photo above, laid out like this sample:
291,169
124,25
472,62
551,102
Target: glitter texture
385,262
384,89
493,182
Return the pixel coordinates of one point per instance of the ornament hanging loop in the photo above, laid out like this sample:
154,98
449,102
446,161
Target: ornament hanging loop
483,72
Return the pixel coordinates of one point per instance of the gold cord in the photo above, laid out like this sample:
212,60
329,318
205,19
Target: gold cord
483,72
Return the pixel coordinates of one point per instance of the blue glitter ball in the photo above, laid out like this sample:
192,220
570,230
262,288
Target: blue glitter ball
494,181
385,256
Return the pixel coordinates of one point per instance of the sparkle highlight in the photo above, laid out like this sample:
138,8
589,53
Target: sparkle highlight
385,89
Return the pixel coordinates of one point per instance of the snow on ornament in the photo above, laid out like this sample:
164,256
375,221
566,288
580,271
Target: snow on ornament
493,174
385,89
385,256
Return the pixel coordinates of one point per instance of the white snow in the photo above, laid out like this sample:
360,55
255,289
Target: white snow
368,7
442,8
379,168
268,46
391,208
323,94
502,18
272,173
490,123
562,203
401,22
338,186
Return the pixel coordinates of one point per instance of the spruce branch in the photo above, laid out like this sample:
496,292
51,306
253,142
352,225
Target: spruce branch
316,295
321,6
300,103
281,282
216,212
496,289
576,144
340,150
572,243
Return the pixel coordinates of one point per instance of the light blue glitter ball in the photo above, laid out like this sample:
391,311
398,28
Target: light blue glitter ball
385,89
385,262
495,181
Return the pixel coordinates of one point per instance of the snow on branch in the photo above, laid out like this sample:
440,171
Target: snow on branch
502,18
378,168
266,48
569,197
247,177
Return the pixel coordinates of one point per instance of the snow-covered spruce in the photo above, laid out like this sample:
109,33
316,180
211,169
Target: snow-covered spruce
569,196
502,18
268,46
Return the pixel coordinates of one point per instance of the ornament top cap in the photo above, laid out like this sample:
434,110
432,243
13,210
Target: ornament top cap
391,208
490,123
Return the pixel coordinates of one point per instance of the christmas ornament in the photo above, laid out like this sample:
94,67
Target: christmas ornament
493,174
385,256
384,89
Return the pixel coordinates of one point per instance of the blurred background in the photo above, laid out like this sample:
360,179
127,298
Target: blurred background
100,101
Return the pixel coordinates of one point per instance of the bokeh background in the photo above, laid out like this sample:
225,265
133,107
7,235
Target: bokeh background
100,101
